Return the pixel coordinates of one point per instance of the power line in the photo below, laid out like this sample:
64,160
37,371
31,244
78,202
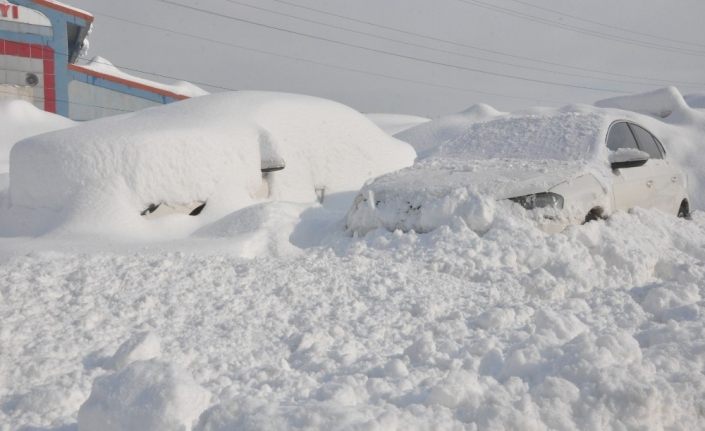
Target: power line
582,30
319,63
478,48
393,54
435,49
614,27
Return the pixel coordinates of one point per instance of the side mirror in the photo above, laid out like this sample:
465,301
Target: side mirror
628,158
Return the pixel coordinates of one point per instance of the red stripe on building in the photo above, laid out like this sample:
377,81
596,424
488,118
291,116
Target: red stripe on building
127,82
65,9
40,52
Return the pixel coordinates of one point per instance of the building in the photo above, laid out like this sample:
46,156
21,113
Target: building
41,42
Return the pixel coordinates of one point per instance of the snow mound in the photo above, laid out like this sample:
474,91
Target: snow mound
659,103
102,65
430,134
19,120
395,123
148,396
99,176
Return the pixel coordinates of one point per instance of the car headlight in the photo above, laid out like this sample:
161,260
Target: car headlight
540,200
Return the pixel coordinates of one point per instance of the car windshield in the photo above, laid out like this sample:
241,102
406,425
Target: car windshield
565,136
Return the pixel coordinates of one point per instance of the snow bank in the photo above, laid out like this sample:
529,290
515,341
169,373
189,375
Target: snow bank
102,65
430,134
146,395
19,120
599,327
395,123
99,176
658,103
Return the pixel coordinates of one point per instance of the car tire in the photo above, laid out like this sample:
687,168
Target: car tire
595,214
684,210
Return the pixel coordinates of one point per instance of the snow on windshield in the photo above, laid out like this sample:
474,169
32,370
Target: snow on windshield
565,136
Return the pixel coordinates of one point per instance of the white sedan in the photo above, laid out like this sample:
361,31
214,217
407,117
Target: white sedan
563,167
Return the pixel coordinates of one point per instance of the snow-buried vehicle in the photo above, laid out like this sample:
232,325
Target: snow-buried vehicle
207,156
566,166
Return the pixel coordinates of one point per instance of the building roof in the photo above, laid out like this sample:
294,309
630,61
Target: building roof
69,10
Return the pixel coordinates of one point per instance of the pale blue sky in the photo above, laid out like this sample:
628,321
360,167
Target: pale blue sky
634,59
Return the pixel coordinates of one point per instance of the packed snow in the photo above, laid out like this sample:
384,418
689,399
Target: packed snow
267,314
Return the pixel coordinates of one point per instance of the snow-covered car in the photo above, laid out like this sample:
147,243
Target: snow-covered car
208,156
565,167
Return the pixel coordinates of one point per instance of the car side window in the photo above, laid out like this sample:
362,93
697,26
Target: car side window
620,136
646,142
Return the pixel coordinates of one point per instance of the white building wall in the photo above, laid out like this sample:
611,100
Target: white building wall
89,102
13,79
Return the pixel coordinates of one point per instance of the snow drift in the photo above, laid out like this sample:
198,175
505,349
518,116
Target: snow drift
99,176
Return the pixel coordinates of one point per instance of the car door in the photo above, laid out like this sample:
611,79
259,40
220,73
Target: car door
661,173
631,187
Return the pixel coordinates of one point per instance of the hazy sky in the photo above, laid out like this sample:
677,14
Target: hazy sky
614,45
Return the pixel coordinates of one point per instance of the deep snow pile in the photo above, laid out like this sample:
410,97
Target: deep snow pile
599,327
99,176
19,120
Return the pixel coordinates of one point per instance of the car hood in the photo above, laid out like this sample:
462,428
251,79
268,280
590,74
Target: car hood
498,178
434,192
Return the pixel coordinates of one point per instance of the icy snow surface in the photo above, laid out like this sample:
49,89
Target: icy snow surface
271,317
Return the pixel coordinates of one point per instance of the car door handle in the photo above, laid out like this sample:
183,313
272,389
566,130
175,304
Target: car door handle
674,179
650,183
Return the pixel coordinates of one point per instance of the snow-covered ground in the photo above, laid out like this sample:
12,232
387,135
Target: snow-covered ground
274,318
